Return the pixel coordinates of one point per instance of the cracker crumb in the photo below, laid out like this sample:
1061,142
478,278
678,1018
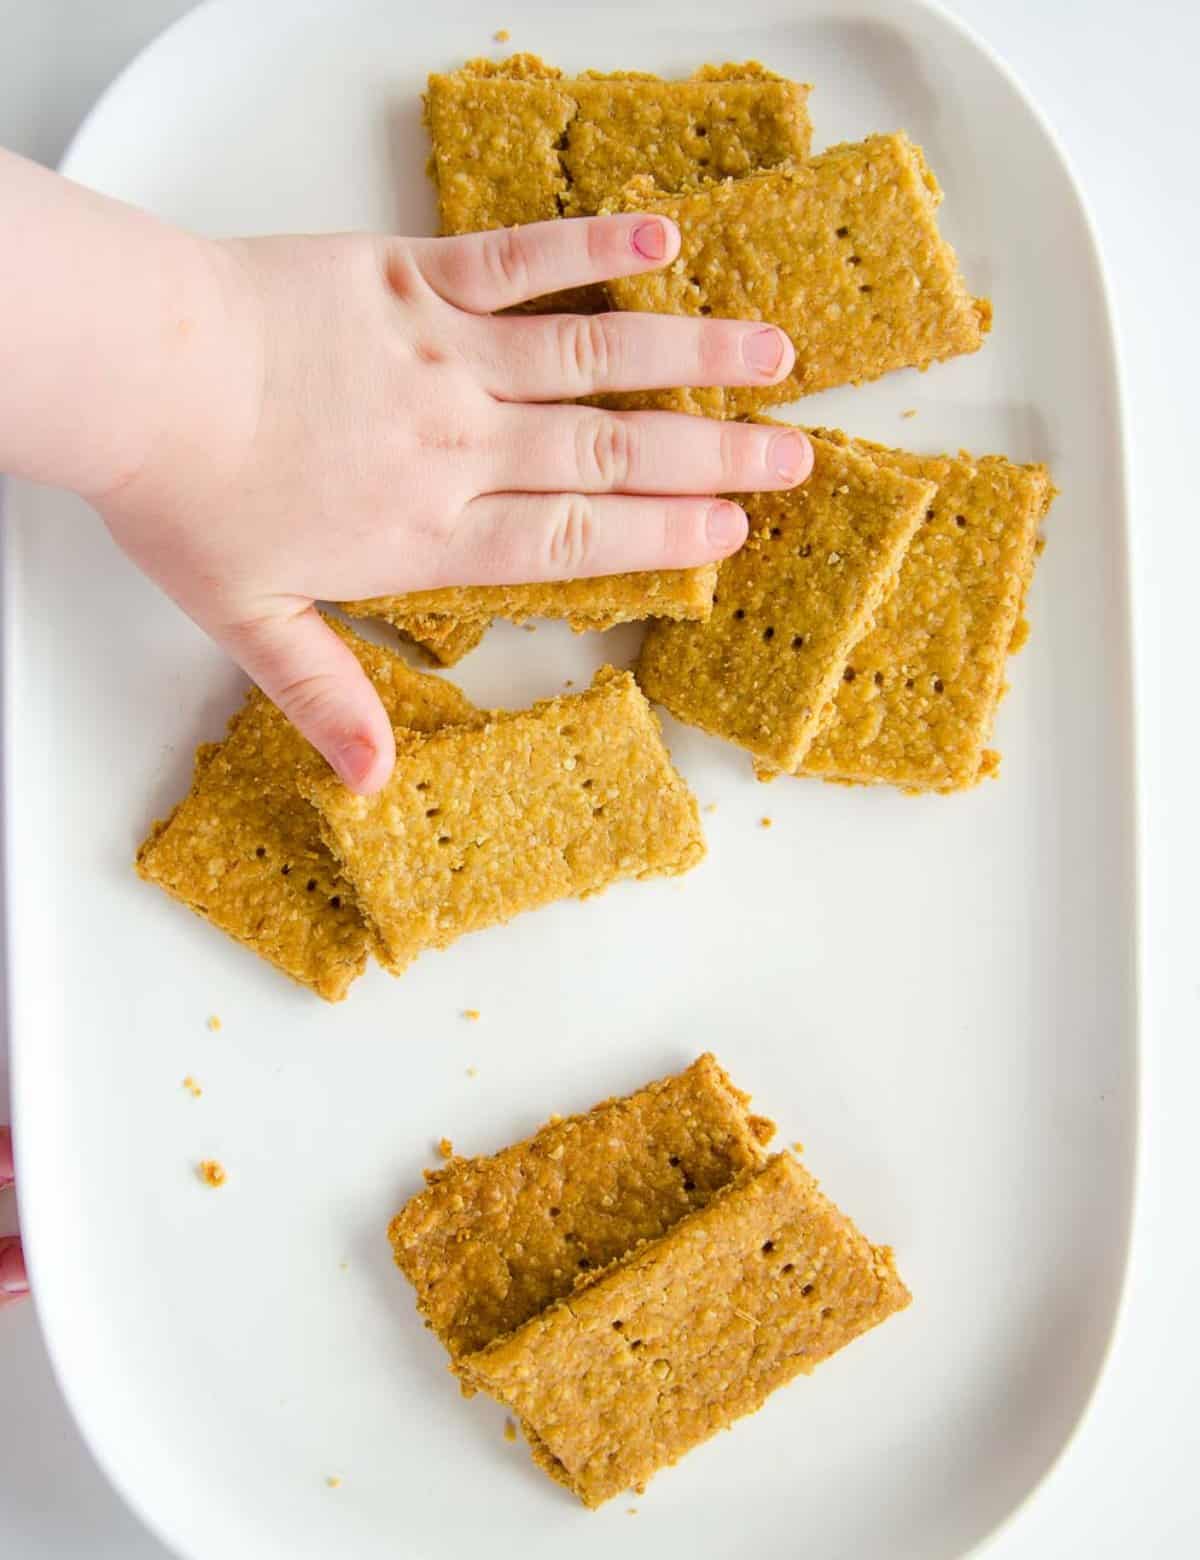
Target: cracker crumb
510,1430
530,628
344,1266
569,683
710,807
471,1013
193,1088
211,1172
911,412
798,1146
502,35
632,1510
472,1072
333,1480
445,1148
766,822
214,1023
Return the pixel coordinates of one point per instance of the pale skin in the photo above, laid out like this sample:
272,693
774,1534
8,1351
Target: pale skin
265,423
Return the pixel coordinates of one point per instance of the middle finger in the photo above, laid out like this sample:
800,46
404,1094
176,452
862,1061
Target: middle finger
579,449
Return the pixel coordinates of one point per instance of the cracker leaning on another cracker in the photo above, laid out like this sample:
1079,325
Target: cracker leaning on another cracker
790,606
244,850
689,1332
492,1241
476,826
842,252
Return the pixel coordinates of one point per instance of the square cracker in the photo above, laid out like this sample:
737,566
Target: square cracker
476,826
842,252
244,850
689,1332
492,1241
451,621
919,694
789,606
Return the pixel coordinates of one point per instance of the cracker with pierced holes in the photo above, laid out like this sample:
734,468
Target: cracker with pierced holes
476,826
244,850
842,252
919,695
451,621
790,606
492,1241
689,1332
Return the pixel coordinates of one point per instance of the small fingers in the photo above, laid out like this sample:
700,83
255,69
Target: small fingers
510,538
316,680
482,272
14,1280
551,358
551,449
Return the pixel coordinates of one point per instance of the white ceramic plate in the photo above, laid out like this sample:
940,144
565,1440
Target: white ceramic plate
936,995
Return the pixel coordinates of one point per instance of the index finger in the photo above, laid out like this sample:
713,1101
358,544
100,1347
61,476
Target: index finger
483,272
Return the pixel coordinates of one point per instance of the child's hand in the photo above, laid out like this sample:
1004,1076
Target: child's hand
14,1285
268,422
378,431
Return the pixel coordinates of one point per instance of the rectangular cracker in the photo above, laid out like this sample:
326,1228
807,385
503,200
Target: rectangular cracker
476,826
689,1332
516,141
492,1241
244,850
919,695
451,621
842,252
789,606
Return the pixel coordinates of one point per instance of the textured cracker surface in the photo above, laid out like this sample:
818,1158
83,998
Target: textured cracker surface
920,690
690,1332
492,1241
516,141
790,606
451,621
476,826
244,850
842,252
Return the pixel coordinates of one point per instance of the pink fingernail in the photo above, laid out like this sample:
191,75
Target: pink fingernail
354,760
726,526
649,240
13,1278
763,350
789,456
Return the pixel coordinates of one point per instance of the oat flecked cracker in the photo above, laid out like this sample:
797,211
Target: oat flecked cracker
919,693
492,1241
476,826
790,606
689,1332
842,252
244,850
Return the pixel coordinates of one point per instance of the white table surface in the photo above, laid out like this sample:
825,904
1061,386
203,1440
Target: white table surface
1119,83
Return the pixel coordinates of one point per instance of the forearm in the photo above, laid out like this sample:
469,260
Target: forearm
107,327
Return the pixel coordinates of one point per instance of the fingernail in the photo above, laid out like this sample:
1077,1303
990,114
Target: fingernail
354,760
763,350
788,456
726,526
13,1278
649,240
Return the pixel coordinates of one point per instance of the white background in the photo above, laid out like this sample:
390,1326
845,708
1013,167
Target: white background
1120,84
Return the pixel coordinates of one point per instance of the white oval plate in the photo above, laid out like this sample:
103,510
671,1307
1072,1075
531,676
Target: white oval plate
936,995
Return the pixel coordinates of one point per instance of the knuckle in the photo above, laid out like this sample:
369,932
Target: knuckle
608,451
306,699
589,349
571,539
506,260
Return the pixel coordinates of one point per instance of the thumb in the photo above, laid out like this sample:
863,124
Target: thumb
316,680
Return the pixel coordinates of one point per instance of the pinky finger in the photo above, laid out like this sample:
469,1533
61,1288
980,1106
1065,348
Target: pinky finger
518,538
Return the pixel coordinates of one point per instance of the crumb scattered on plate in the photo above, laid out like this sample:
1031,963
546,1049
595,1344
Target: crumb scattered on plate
502,35
766,822
344,1266
472,1072
211,1172
214,1023
471,1013
530,628
445,1148
510,1430
912,412
333,1480
569,683
799,1147
193,1088
710,807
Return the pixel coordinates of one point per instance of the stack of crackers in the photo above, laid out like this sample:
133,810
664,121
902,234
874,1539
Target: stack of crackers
630,1281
